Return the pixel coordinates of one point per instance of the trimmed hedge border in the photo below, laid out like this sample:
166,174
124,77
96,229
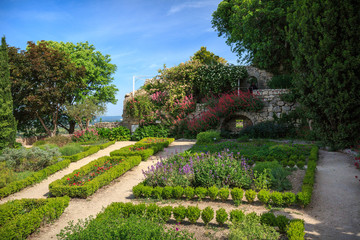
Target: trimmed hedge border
146,153
302,198
60,188
90,151
14,224
38,176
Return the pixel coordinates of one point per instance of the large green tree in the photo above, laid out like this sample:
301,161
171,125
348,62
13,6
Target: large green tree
43,80
255,29
7,120
324,38
98,76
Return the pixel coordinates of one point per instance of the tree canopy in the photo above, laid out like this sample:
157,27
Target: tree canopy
207,57
256,31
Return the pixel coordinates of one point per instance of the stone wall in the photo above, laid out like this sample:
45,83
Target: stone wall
262,76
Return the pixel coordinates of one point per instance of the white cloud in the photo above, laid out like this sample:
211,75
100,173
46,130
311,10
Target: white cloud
186,5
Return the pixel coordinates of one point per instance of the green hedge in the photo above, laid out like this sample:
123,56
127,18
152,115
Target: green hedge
88,152
36,177
20,218
60,188
304,197
146,153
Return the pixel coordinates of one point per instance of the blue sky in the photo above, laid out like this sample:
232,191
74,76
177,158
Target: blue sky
139,35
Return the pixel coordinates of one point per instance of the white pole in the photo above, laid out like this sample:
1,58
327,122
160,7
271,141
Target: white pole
133,87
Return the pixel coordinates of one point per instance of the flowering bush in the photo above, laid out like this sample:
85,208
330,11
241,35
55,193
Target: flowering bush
89,134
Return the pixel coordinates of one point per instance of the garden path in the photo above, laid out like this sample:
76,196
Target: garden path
336,199
119,190
41,190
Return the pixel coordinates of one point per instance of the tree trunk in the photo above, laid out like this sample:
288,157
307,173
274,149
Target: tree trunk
72,124
43,124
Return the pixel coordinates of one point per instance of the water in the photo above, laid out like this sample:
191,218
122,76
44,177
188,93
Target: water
107,119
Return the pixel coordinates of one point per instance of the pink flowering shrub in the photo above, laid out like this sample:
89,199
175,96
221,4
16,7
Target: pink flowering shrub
89,134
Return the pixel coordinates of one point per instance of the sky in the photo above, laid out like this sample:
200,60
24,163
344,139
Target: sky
139,35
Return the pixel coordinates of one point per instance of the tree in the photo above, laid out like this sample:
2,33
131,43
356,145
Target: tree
46,79
207,57
7,120
256,31
85,111
97,79
324,37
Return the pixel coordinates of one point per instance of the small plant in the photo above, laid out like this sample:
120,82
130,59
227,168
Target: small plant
157,192
303,198
262,180
147,191
179,213
277,198
300,164
237,195
210,136
152,211
165,213
264,196
140,209
189,193
167,192
289,198
296,230
138,190
178,192
268,219
207,215
291,164
193,214
224,194
213,192
236,216
250,195
200,192
282,222
221,216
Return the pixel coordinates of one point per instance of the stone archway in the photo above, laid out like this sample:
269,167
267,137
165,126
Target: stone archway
236,123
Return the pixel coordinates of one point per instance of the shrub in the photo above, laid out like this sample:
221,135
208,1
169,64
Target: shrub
243,138
115,134
200,192
291,164
165,213
303,198
179,213
207,215
138,190
39,143
281,81
178,192
289,198
167,192
266,129
282,222
189,193
147,191
250,195
236,216
223,194
210,136
300,164
129,208
262,180
58,140
277,198
157,192
140,209
296,230
6,175
268,218
213,192
152,212
264,196
237,195
71,149
89,134
193,214
221,216
159,131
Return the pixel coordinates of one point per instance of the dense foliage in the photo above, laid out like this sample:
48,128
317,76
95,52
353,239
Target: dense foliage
324,39
7,120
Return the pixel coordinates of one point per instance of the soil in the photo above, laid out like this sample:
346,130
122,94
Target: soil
334,212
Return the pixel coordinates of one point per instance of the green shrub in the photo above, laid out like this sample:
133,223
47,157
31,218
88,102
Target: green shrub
167,192
264,196
262,180
221,216
303,198
277,198
294,158
281,82
178,192
250,195
213,192
289,198
189,193
129,208
282,222
165,213
58,140
200,192
237,195
91,150
6,175
157,192
291,164
207,215
152,212
159,131
223,194
268,219
138,190
71,149
266,129
193,214
236,216
115,134
296,230
300,164
179,213
243,139
140,209
210,136
147,191
39,143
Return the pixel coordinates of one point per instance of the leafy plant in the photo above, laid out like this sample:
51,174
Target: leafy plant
268,218
289,198
89,134
237,195
167,192
224,194
209,136
264,196
189,193
207,215
221,216
165,213
277,198
262,180
200,192
296,230
152,212
193,214
150,131
178,192
236,216
250,195
179,213
282,222
213,192
157,192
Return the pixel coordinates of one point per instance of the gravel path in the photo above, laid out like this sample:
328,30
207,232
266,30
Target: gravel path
41,190
118,191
